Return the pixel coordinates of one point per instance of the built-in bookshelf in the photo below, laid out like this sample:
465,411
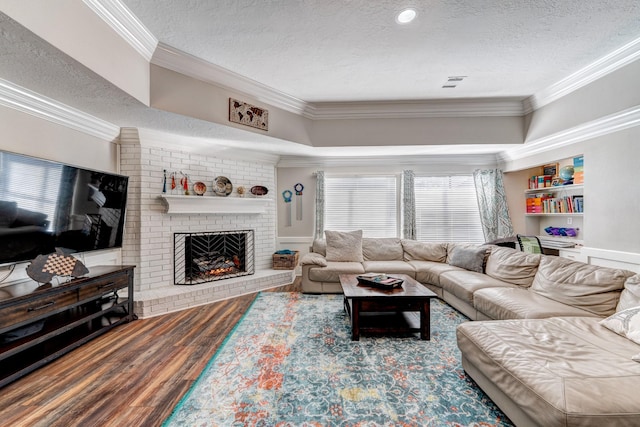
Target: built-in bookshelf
552,202
559,200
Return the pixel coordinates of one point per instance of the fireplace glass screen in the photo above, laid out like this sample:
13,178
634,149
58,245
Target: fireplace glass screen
211,256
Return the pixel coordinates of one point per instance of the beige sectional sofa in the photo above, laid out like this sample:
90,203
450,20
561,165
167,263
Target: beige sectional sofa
543,349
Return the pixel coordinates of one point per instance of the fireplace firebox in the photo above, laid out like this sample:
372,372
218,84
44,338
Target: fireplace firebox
210,256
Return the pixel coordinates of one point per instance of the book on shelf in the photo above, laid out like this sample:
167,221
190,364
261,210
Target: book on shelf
540,181
548,204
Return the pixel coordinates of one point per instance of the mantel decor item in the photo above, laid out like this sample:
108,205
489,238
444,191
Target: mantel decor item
199,188
248,115
259,190
222,186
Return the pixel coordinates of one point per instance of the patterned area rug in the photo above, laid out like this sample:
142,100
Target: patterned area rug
290,362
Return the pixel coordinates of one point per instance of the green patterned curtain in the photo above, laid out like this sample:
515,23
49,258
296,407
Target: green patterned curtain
408,205
319,232
492,201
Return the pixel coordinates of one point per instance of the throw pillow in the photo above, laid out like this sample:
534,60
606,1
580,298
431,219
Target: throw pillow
381,249
625,323
344,246
471,259
422,251
630,296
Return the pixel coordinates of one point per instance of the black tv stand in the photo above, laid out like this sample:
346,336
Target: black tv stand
41,323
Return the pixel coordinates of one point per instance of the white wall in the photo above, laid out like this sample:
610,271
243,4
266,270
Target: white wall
25,134
418,131
612,191
175,92
72,27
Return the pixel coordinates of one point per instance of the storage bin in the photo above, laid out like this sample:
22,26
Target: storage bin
285,261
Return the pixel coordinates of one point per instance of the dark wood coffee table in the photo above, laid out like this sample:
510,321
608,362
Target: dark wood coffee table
387,310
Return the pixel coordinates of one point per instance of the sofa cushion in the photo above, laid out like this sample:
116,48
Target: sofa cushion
520,303
333,270
382,249
630,296
463,283
512,266
589,287
430,271
389,267
551,368
470,258
625,323
319,246
8,213
346,247
423,251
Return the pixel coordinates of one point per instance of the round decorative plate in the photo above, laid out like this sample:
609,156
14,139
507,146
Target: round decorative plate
199,188
222,186
259,190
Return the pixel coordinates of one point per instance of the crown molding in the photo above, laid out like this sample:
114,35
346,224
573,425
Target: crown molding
189,65
125,24
176,60
621,120
26,101
592,72
190,144
397,161
486,107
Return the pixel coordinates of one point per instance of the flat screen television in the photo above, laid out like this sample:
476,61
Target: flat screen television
46,205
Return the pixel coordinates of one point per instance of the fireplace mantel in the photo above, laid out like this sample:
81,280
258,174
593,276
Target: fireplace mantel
214,205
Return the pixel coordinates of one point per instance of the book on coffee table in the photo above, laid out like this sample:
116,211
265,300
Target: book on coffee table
379,280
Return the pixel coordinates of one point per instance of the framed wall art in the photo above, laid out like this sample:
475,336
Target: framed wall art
248,115
550,169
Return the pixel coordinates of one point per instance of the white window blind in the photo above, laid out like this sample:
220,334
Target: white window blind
369,203
447,209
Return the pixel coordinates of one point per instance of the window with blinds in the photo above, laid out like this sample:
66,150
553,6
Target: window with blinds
369,203
447,209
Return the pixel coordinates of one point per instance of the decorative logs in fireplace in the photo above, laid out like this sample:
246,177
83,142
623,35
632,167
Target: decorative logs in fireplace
210,256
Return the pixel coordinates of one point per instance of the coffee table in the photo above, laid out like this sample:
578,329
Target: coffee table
387,310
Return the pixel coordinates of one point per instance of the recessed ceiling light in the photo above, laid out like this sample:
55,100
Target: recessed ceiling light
406,16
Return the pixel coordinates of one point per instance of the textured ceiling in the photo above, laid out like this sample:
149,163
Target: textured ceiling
28,61
337,50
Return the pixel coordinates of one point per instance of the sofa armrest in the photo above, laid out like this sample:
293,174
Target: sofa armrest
313,258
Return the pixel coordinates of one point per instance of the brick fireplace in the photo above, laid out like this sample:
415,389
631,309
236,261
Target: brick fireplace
150,229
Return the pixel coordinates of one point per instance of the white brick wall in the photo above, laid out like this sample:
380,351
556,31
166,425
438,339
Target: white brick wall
149,231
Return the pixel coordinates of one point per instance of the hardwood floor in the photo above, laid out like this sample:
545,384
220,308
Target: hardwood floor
132,376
